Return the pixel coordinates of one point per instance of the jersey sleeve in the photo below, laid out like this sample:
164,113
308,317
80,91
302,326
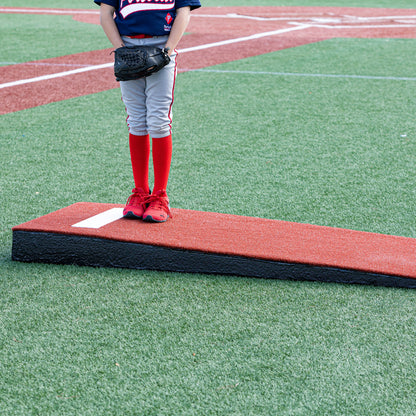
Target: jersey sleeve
193,4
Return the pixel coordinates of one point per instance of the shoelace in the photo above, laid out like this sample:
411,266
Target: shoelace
137,198
158,202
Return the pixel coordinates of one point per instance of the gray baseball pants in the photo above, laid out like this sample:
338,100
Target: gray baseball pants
149,100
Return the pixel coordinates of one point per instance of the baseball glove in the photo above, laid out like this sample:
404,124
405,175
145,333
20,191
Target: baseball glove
134,62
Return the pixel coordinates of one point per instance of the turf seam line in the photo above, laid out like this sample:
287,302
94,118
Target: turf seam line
295,74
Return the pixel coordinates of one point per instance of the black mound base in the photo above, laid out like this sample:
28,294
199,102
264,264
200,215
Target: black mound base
98,252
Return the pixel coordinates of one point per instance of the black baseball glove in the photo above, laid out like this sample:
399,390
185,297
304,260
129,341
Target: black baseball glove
134,62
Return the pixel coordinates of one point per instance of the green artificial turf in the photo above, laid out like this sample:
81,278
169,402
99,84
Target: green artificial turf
90,341
33,37
330,151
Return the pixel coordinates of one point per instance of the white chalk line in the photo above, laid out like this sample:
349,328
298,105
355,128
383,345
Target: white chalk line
296,74
244,38
56,75
359,26
372,18
191,49
313,18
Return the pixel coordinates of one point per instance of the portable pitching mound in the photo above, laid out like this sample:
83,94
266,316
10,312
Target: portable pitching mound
95,234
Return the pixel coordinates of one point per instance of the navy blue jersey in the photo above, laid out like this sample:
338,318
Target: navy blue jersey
148,17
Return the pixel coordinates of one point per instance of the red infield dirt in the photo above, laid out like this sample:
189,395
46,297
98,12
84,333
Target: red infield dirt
282,27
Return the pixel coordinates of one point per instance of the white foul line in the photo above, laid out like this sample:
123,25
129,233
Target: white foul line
358,26
56,75
245,38
99,220
191,49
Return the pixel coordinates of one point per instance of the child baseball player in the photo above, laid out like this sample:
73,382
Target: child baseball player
148,101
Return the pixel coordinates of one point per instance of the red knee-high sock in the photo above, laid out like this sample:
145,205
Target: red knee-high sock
140,153
162,156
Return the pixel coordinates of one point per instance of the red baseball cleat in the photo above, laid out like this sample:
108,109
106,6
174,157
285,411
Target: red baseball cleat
158,209
136,204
